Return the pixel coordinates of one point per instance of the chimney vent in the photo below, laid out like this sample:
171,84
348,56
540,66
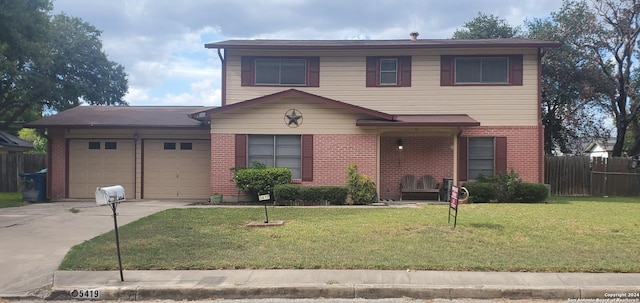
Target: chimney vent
414,36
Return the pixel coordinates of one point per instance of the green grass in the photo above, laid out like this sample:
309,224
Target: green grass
566,235
11,200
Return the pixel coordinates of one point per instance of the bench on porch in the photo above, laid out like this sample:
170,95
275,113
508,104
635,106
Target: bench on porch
425,184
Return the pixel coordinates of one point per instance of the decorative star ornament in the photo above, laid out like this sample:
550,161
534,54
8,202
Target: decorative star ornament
293,118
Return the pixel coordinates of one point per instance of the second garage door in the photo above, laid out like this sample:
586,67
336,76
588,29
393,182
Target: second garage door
176,169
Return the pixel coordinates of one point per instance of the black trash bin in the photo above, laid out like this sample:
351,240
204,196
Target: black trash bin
445,192
35,186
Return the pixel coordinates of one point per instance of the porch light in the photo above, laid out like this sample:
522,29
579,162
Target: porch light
400,146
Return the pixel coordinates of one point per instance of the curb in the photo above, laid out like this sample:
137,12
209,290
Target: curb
359,291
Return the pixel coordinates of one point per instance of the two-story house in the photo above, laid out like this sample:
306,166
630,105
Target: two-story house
453,109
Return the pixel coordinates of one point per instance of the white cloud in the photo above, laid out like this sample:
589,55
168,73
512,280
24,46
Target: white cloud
161,42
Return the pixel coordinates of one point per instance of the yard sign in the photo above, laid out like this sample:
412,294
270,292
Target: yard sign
453,204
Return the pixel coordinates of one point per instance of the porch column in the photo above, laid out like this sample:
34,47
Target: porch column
455,158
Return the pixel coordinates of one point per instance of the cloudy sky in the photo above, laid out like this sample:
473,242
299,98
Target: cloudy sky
161,42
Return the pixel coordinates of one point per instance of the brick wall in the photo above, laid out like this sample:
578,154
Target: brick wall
332,154
222,160
523,148
419,156
56,169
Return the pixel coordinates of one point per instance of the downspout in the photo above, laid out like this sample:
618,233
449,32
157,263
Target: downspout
223,81
540,125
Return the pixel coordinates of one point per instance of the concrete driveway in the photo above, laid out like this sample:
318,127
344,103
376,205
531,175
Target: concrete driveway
35,238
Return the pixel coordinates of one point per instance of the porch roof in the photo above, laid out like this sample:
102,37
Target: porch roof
422,120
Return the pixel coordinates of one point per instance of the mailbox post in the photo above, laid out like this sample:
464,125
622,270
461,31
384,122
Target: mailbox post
112,195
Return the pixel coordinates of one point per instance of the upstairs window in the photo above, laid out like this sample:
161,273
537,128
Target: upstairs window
478,70
388,71
481,70
280,71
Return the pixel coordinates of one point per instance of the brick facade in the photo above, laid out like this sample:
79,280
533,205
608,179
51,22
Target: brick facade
419,156
332,154
57,167
523,148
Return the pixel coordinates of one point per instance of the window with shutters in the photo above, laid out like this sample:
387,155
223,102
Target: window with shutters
481,70
478,70
388,71
280,71
277,151
481,161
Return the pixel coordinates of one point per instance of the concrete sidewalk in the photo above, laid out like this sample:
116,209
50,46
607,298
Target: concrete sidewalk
369,284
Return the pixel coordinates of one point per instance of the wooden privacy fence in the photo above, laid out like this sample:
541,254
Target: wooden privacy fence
582,176
12,165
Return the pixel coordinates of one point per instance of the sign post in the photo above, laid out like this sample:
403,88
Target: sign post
265,198
112,195
453,204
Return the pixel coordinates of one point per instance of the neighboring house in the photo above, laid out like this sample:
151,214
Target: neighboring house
600,149
12,144
458,109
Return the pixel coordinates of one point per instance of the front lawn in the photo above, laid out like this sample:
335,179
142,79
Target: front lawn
11,200
567,235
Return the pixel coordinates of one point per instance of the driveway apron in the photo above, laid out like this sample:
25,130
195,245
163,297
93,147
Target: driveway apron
35,238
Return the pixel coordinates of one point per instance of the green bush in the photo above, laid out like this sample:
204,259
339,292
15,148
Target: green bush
481,192
335,195
531,192
286,192
505,184
362,190
256,181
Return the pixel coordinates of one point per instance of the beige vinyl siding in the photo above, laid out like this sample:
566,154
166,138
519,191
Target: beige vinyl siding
342,77
268,118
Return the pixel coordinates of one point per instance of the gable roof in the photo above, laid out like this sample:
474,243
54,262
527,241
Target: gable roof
10,141
121,117
287,94
381,44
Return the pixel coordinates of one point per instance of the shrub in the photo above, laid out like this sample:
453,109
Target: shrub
361,188
480,192
286,192
505,185
335,195
256,181
532,192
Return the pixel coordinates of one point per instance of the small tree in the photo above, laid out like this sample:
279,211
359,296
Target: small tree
362,190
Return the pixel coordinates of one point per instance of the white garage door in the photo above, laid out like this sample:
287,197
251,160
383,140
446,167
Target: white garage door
176,169
96,163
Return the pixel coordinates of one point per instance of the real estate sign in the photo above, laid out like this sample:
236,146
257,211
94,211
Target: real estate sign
453,205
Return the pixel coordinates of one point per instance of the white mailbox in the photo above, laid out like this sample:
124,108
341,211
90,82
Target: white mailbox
109,195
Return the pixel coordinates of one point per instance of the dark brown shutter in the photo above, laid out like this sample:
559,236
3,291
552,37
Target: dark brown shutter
515,69
405,70
372,71
501,154
241,150
314,71
463,159
246,71
446,70
307,158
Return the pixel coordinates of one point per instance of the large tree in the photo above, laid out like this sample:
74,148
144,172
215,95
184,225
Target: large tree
608,35
572,84
51,63
486,27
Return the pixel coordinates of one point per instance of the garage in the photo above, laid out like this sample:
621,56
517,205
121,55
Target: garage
176,169
100,162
